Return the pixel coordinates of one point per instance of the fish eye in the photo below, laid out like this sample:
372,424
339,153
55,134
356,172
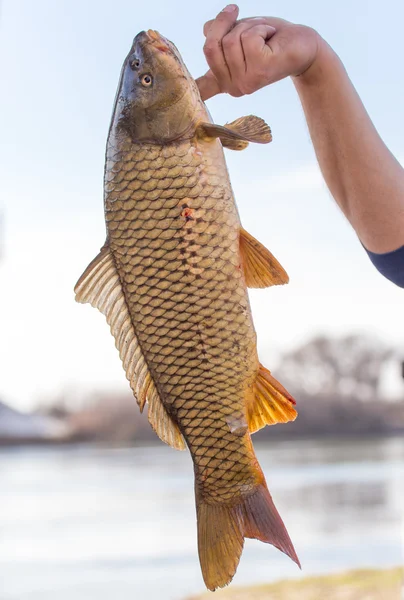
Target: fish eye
146,80
134,63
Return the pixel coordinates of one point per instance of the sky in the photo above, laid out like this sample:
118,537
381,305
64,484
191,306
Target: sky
59,67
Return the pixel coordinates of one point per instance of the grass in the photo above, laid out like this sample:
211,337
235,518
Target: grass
354,585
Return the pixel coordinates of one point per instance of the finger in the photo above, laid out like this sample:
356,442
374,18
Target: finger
273,21
233,49
254,41
213,49
208,86
208,24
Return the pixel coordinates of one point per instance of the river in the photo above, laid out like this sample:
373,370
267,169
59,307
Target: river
84,523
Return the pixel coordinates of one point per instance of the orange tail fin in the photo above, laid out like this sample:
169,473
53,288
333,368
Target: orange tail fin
222,529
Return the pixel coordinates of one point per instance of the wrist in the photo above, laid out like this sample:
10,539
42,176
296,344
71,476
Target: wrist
325,61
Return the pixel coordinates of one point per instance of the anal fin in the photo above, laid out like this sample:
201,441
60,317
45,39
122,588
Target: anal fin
261,269
101,287
270,403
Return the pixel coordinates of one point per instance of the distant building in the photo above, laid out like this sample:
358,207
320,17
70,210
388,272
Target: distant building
18,427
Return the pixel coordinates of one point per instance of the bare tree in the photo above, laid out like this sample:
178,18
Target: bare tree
346,367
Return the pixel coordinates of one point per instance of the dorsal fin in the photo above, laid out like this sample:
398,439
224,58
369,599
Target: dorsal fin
101,287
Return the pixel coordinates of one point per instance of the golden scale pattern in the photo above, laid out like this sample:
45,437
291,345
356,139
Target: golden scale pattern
173,230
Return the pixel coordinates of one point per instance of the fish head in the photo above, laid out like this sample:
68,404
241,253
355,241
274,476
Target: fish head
157,99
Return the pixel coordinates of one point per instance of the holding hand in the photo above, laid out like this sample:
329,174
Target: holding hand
365,179
249,54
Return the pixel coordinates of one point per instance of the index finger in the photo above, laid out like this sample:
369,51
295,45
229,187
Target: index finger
213,47
273,21
208,24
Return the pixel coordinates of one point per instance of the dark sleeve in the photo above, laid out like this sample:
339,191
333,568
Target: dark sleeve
391,265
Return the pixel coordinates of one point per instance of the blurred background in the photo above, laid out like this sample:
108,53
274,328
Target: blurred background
92,504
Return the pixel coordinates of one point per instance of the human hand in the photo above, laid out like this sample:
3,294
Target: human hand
249,54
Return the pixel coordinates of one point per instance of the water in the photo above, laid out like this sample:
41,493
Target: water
95,524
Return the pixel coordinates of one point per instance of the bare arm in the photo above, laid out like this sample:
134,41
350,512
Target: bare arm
363,176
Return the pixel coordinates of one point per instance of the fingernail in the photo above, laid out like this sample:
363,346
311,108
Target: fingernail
230,8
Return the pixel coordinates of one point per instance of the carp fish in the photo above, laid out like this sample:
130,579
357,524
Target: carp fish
171,280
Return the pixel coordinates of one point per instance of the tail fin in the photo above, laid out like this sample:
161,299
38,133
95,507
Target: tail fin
222,529
220,543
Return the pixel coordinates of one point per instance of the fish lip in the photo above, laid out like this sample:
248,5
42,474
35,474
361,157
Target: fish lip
153,38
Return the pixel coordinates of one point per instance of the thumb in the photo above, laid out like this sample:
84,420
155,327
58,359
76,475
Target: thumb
208,86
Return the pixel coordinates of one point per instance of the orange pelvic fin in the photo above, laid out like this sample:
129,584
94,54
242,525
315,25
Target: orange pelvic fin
222,529
261,269
270,403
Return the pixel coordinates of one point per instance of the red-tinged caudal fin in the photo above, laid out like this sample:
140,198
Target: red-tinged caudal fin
263,522
222,529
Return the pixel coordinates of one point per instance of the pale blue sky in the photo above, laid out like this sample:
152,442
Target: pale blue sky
60,63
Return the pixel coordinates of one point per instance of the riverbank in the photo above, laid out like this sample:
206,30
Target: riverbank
354,585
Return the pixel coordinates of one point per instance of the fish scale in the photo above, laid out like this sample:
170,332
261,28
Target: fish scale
207,330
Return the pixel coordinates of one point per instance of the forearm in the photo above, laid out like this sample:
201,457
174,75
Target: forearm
363,176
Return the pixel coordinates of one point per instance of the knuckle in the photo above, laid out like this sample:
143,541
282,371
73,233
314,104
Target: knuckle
245,34
210,49
229,42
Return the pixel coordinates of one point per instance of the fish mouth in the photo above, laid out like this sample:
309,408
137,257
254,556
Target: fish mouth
154,39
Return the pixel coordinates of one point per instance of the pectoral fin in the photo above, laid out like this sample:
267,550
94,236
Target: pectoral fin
101,287
270,403
261,269
237,134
